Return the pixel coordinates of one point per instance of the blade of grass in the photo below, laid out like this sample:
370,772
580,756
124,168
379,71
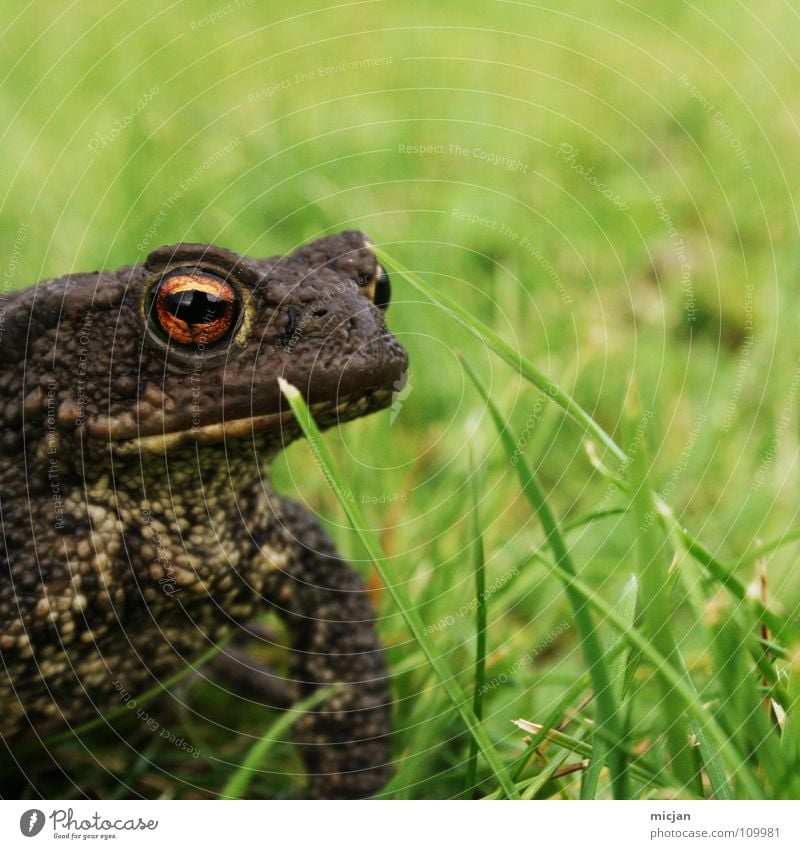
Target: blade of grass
143,763
790,739
555,716
536,783
529,371
778,624
712,731
698,552
749,609
238,783
593,517
537,553
626,607
759,552
623,664
741,705
480,629
525,367
397,592
645,774
569,576
594,654
658,610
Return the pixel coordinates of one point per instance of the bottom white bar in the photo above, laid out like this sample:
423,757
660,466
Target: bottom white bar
392,825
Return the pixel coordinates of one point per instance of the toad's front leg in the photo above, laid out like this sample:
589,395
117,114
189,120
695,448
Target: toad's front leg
346,740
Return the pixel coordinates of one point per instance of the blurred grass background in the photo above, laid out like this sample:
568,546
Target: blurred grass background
612,189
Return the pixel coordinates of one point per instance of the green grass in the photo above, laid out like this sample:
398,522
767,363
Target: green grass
257,755
470,788
558,299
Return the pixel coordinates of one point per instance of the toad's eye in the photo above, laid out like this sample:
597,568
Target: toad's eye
194,307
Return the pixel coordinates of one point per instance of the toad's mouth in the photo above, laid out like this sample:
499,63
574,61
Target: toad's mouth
282,424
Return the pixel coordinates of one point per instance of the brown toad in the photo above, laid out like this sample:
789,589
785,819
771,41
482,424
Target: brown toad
139,413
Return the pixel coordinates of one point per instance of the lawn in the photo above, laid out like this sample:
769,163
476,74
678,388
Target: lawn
604,197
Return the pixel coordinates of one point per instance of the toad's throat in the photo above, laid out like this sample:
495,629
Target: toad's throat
326,413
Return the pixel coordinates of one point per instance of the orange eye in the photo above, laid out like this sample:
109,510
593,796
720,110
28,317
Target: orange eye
195,308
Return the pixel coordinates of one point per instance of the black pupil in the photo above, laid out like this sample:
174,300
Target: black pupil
194,306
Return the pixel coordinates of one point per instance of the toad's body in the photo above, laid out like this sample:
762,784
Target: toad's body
139,411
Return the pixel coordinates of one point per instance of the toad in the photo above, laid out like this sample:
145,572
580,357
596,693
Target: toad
139,414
